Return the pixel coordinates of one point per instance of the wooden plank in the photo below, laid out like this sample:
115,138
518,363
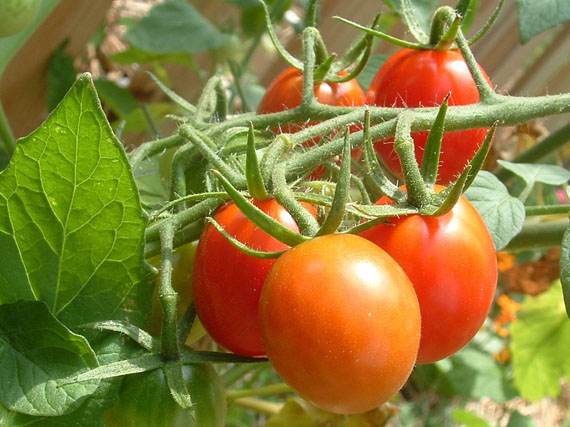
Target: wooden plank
24,85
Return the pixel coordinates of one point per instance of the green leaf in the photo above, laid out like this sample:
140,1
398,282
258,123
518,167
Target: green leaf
10,45
538,16
61,75
35,351
119,100
540,340
475,374
503,214
110,349
372,66
423,10
516,419
133,55
531,173
71,225
465,418
175,26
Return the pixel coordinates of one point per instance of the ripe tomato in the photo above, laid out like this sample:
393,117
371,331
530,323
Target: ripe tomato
422,78
285,93
340,322
145,400
16,15
227,282
452,263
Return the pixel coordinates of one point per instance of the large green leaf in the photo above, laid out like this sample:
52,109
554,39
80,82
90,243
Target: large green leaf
109,349
175,26
503,214
71,225
531,173
35,351
540,343
537,16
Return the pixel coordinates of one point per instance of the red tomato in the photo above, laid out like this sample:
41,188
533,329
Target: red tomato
422,78
340,322
227,283
285,93
452,263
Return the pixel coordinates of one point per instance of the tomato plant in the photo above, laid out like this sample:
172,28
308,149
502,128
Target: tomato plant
16,15
227,282
182,267
285,92
145,400
340,322
452,264
422,78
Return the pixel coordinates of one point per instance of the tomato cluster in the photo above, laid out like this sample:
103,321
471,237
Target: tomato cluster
344,318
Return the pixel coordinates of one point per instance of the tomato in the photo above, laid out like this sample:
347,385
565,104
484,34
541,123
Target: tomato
16,15
340,322
452,263
422,78
227,282
145,400
285,93
182,267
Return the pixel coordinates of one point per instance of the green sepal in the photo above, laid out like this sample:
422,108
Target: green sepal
338,207
221,110
412,22
452,194
241,246
394,40
481,33
260,218
290,59
176,384
323,69
273,154
208,98
478,160
255,184
449,36
430,162
173,96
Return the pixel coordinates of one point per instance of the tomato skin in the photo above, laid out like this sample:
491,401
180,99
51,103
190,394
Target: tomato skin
145,400
227,283
340,323
285,93
422,78
16,15
452,263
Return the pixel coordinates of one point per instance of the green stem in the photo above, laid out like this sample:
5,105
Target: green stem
167,295
6,134
309,37
547,210
261,391
183,218
151,122
538,236
152,148
486,93
308,225
268,408
188,234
